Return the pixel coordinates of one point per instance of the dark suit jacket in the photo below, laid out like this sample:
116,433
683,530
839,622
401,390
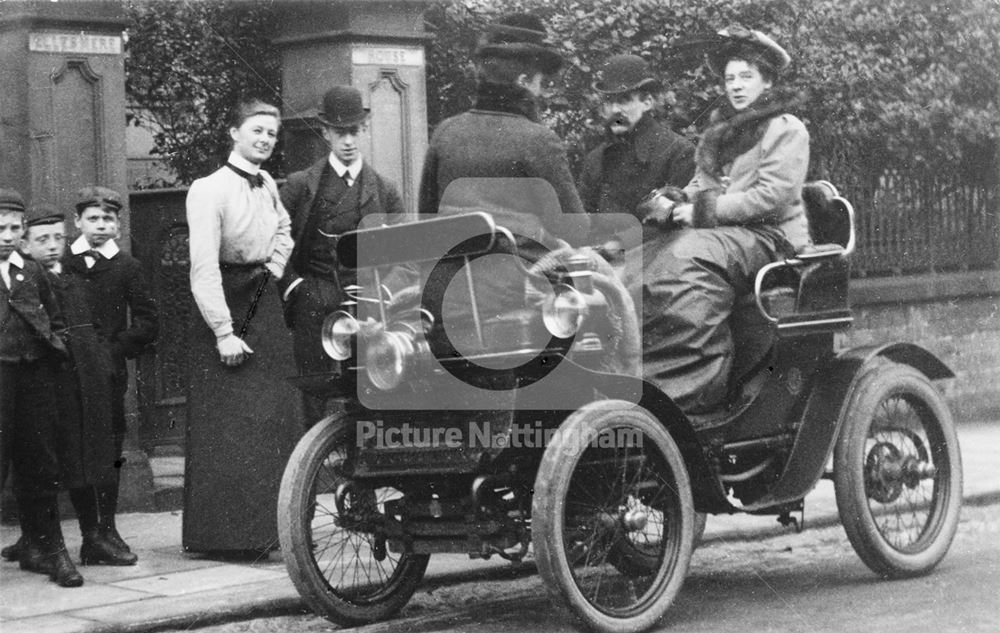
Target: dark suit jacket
298,194
500,138
619,173
116,287
30,297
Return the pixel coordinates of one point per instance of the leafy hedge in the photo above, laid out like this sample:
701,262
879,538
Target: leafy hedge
907,84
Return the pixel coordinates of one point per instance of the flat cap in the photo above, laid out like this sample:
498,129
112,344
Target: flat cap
96,196
11,200
43,213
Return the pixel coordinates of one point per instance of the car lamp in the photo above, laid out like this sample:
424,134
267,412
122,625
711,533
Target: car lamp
337,334
563,311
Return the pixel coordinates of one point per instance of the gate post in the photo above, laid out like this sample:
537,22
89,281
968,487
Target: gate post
63,127
377,46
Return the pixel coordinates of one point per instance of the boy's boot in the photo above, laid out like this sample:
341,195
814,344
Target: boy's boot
97,548
13,552
63,571
107,505
31,557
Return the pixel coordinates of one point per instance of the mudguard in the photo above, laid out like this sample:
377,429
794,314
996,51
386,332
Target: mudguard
707,490
825,411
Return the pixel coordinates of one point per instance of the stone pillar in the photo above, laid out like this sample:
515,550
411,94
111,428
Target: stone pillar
63,126
378,47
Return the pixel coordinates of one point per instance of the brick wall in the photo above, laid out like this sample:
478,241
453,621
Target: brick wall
956,317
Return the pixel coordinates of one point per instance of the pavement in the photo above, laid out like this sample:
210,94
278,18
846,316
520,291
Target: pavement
169,589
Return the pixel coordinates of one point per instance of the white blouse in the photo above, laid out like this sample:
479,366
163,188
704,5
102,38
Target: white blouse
231,222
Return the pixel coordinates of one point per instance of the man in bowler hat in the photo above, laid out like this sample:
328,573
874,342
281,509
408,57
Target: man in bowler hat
638,153
324,201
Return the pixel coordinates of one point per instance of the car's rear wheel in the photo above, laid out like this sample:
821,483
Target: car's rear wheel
898,471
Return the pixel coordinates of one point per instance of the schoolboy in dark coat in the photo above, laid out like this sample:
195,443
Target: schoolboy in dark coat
86,440
122,305
29,353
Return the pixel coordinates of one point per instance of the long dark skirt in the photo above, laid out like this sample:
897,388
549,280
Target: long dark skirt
242,425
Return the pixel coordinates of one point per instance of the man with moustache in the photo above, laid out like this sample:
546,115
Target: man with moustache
639,153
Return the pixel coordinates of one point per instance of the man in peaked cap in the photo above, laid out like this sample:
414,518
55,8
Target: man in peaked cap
638,153
324,201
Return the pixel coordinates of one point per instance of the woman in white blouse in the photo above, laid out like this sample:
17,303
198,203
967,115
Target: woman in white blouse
241,412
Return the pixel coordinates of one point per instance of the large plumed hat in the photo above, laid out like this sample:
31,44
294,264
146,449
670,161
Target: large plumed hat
11,200
752,45
520,35
342,107
625,73
96,196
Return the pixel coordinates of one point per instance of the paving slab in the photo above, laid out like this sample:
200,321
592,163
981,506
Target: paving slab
169,588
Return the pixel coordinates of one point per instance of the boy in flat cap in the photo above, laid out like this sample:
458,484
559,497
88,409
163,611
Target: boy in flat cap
638,154
30,351
124,310
324,201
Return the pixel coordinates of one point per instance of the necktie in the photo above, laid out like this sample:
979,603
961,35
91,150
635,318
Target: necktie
255,180
347,178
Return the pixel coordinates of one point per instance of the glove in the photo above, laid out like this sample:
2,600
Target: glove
232,350
657,207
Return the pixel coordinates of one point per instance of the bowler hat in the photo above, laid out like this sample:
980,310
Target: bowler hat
96,196
738,41
625,73
523,36
43,213
11,200
342,107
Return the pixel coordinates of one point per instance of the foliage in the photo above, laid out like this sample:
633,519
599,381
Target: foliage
907,84
187,63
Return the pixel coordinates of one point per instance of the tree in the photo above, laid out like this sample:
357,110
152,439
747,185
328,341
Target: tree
187,64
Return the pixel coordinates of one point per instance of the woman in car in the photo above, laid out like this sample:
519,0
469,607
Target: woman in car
744,210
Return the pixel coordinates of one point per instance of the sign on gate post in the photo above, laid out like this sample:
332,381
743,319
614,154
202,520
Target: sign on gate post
63,107
377,46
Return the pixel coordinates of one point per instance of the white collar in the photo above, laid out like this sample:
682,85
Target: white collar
353,169
244,164
16,259
108,249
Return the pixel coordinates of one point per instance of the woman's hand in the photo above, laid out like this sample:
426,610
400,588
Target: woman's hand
232,350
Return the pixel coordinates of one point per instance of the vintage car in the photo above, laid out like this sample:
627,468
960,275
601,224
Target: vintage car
497,405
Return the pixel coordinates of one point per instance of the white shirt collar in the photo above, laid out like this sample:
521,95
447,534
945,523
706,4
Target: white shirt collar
108,249
244,164
16,259
353,169
56,267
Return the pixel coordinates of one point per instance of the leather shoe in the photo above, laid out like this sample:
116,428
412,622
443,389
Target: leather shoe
32,558
112,535
98,549
13,552
64,572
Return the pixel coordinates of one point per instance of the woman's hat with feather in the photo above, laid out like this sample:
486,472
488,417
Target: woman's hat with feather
748,44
